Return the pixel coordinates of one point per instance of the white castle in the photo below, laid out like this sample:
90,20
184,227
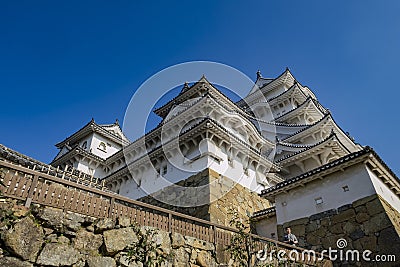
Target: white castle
278,142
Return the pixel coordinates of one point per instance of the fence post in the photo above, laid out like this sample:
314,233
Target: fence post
170,222
215,234
110,211
31,190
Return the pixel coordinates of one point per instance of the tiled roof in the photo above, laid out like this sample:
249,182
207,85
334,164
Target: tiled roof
264,212
327,166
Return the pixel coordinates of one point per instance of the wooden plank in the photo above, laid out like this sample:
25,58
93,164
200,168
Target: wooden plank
62,201
87,201
27,188
56,197
111,208
73,201
8,177
93,205
21,185
43,192
13,182
49,195
106,208
36,190
80,202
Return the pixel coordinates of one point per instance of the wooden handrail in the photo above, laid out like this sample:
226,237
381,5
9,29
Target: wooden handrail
113,198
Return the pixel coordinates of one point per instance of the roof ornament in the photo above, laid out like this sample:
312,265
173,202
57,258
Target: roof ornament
259,74
186,85
116,121
277,139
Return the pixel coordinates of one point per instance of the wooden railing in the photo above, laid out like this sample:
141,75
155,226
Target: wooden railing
32,186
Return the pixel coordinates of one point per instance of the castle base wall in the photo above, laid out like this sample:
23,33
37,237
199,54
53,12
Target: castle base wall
369,223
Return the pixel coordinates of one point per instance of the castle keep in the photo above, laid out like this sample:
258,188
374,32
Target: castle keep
276,155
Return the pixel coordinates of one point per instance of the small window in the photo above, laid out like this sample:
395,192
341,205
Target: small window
164,170
84,145
284,203
345,188
102,147
319,201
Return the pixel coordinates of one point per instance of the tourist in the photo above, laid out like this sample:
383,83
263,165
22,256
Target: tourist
290,238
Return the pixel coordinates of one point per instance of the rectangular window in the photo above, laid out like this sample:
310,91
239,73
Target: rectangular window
318,201
345,188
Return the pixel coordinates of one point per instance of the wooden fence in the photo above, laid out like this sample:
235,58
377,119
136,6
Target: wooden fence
32,186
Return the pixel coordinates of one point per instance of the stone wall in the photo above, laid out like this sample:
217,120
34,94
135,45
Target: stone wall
44,236
369,223
222,193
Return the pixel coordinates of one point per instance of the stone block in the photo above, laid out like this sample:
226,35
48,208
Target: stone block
362,217
118,239
356,234
374,207
364,200
52,217
321,232
177,240
181,258
313,240
87,241
124,221
346,215
350,227
299,230
25,239
197,243
336,228
101,262
369,242
204,259
54,254
377,223
101,225
344,207
311,226
389,242
14,262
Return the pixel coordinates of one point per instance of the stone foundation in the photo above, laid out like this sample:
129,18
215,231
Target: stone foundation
47,236
369,223
232,196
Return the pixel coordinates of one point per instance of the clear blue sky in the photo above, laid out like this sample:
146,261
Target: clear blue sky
64,62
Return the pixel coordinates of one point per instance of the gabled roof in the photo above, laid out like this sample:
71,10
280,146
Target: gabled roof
327,119
266,85
93,127
198,89
309,100
331,137
293,89
76,150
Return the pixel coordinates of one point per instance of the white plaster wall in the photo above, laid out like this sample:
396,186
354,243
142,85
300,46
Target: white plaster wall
300,202
112,147
84,166
177,171
383,190
267,227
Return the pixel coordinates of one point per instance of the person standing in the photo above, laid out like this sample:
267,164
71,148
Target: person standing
290,238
